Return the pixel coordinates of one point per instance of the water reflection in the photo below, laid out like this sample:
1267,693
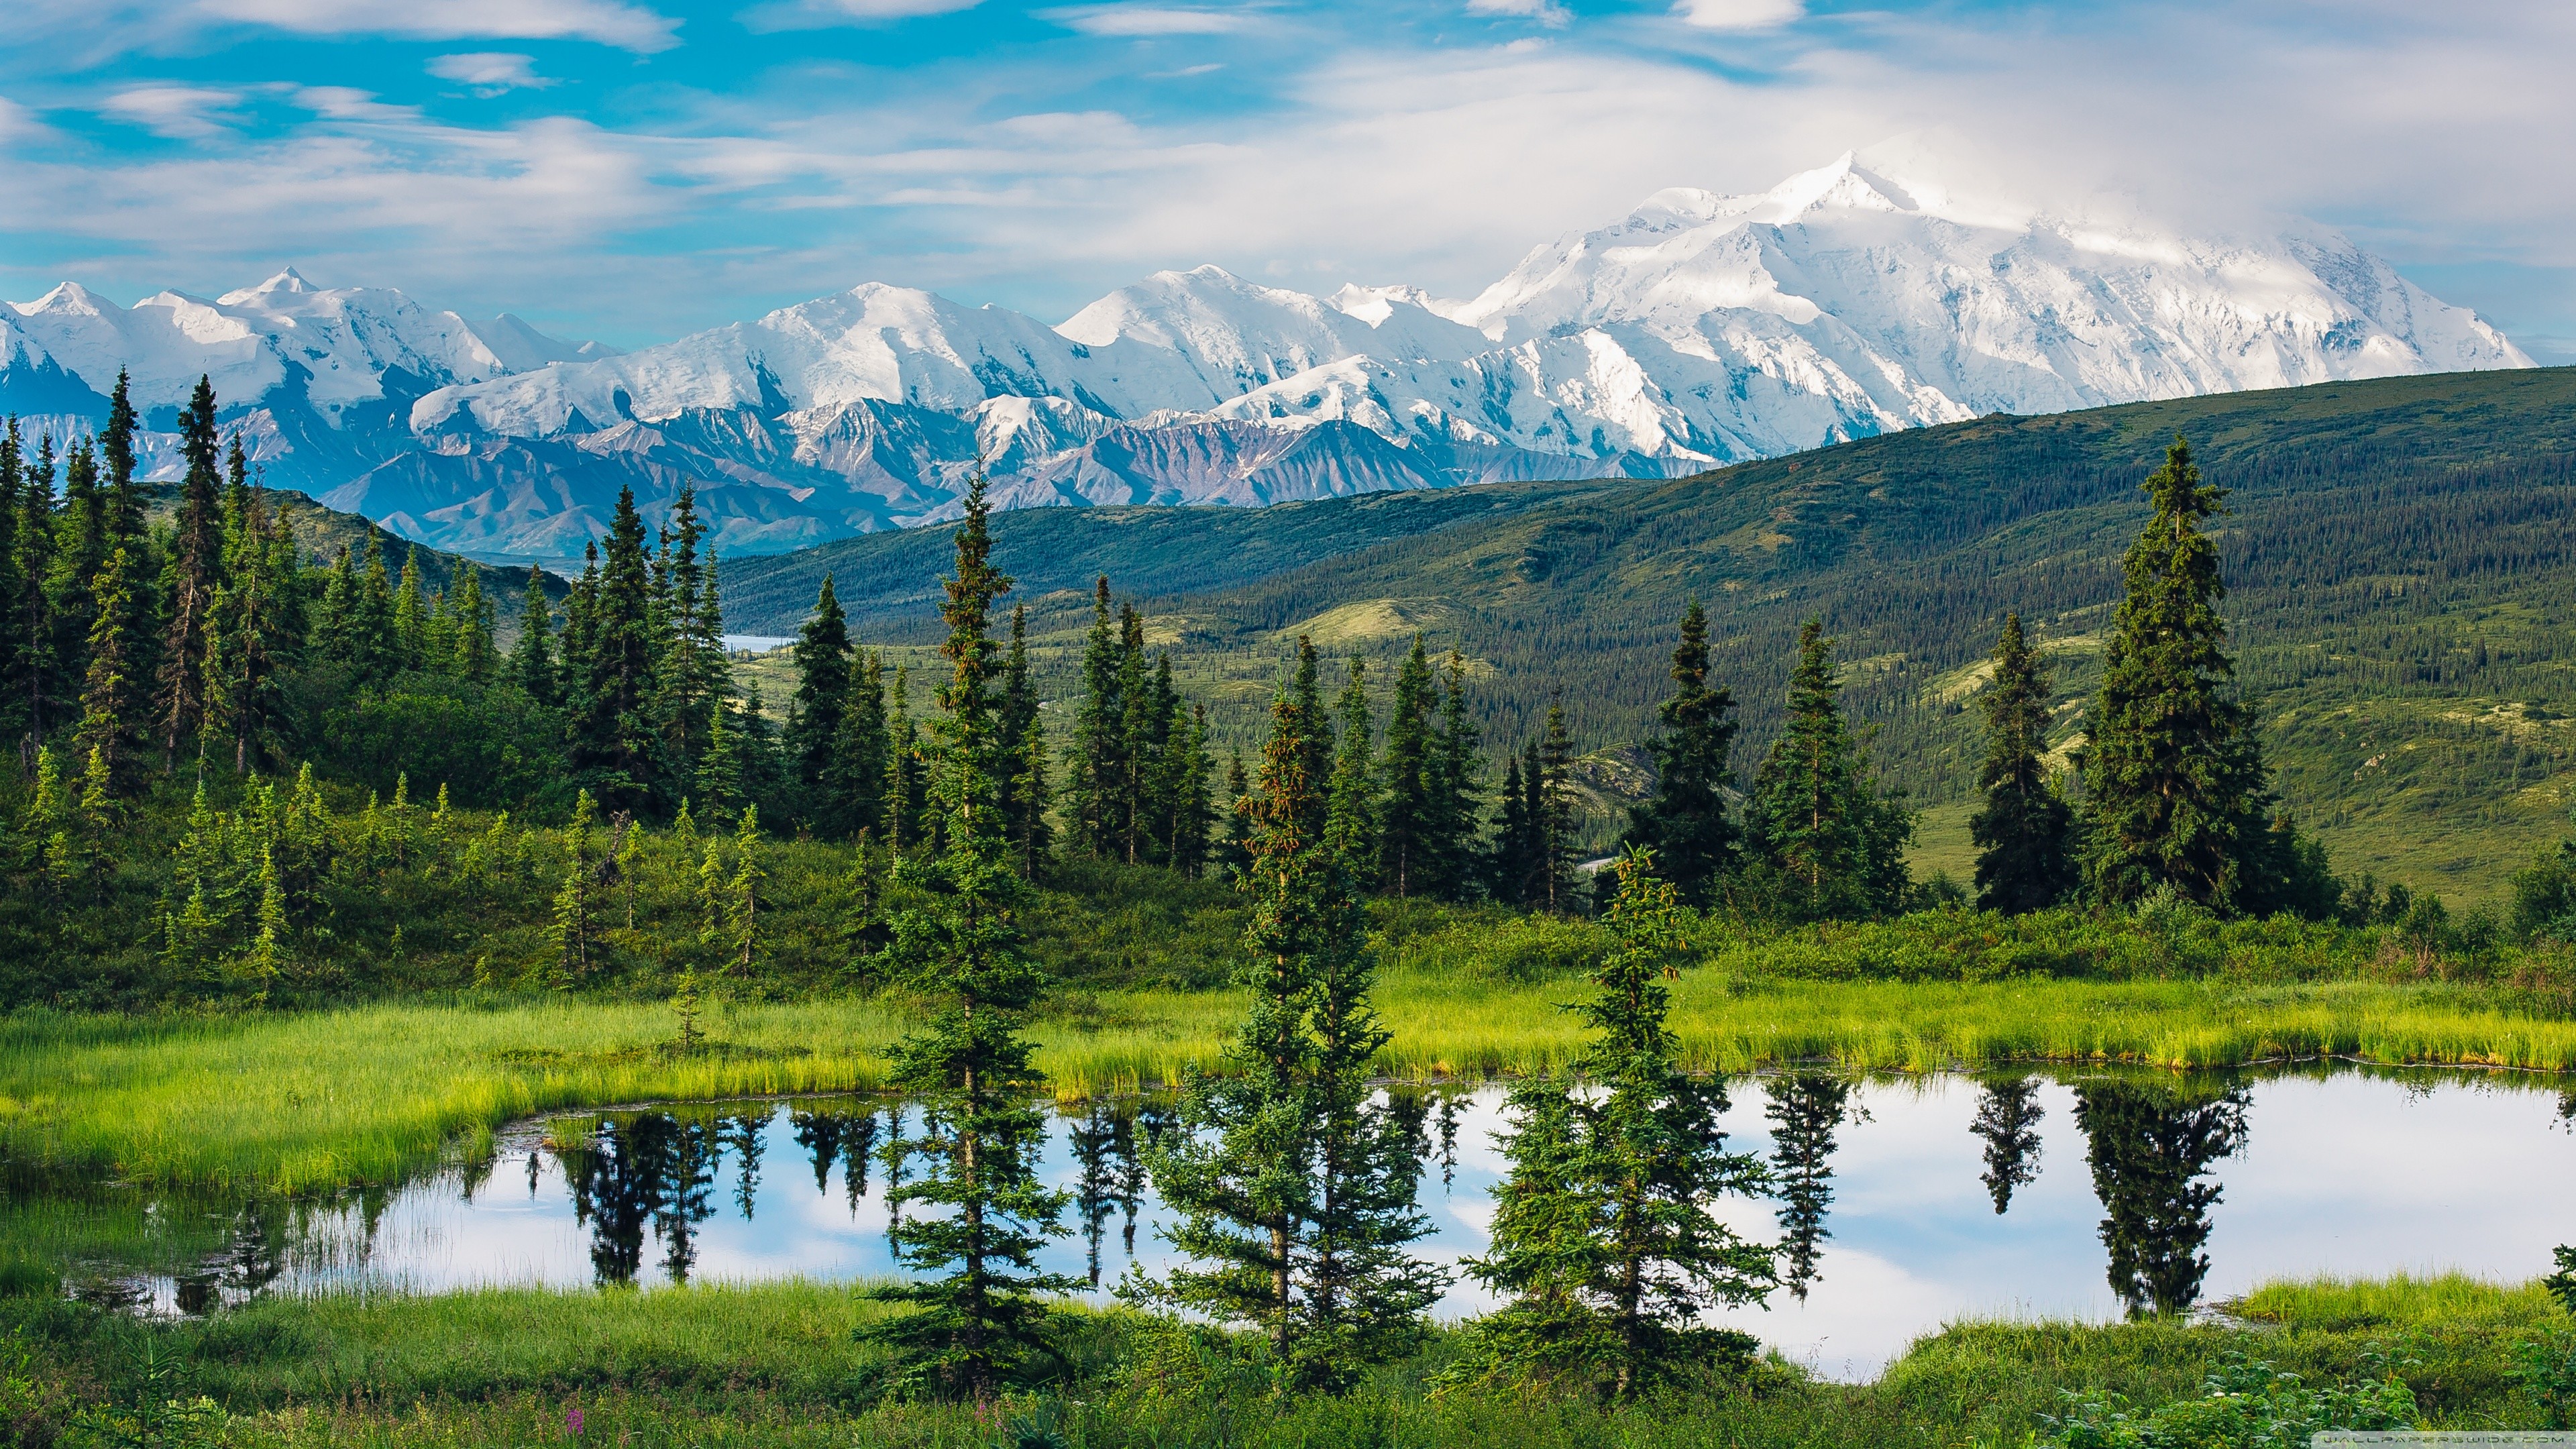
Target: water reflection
2151,1145
1804,1110
1899,1203
2008,1123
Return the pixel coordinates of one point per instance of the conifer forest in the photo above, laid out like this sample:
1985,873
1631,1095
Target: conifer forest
1462,978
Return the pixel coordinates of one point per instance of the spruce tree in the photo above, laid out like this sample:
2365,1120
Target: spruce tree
259,622
124,497
369,643
1552,812
1025,793
978,1297
1409,826
532,661
2024,831
34,678
822,655
472,656
1293,1190
1457,816
1606,1234
1352,831
614,735
14,715
1095,762
2175,788
1235,855
1832,848
115,698
412,616
1139,742
1188,774
1514,857
863,759
1685,823
742,895
192,577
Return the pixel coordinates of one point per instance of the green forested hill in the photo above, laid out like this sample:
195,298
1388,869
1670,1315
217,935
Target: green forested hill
2399,554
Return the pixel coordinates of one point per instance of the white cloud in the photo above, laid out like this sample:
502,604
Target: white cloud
185,113
1147,20
17,122
490,72
814,14
608,22
1545,12
1739,14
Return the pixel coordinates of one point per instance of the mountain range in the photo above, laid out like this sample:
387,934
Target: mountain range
1854,300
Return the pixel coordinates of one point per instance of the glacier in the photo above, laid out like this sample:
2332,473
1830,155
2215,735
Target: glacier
1699,330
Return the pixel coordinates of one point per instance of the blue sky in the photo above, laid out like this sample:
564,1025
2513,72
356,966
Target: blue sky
635,169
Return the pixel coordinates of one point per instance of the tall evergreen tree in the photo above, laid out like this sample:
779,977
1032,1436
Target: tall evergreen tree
1834,847
1514,859
32,682
191,579
1294,1190
368,636
115,696
532,662
1606,1234
614,735
1409,829
1139,724
1190,809
85,538
822,655
2175,789
474,658
1352,829
2024,832
1023,744
981,1133
1551,785
412,615
1685,823
124,495
863,761
1454,860
260,618
1235,855
1095,761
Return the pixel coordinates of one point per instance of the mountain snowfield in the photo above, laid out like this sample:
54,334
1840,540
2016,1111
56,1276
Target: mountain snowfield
1699,330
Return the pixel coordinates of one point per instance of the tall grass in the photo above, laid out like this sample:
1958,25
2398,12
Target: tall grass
366,1094
776,1364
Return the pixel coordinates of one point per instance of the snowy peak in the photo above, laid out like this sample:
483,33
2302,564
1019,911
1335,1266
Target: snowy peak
1882,290
289,280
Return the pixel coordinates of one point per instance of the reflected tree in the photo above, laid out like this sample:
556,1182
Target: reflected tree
819,1133
1096,1188
859,1147
2007,1119
1804,1111
696,1150
741,1136
2150,1145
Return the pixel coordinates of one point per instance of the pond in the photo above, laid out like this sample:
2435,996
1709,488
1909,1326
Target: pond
1899,1203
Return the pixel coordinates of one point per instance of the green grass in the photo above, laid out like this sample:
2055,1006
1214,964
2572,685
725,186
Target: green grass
776,1364
363,1095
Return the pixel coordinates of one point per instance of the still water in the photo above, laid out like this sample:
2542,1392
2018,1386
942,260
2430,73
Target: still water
1899,1204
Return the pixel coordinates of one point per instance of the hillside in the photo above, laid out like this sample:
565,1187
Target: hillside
2399,552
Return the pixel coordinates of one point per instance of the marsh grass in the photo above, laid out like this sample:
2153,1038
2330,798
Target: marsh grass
364,1095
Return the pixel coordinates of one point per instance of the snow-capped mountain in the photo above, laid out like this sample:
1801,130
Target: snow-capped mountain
1700,329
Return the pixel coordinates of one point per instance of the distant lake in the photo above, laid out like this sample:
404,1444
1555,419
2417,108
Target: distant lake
756,643
1902,1203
